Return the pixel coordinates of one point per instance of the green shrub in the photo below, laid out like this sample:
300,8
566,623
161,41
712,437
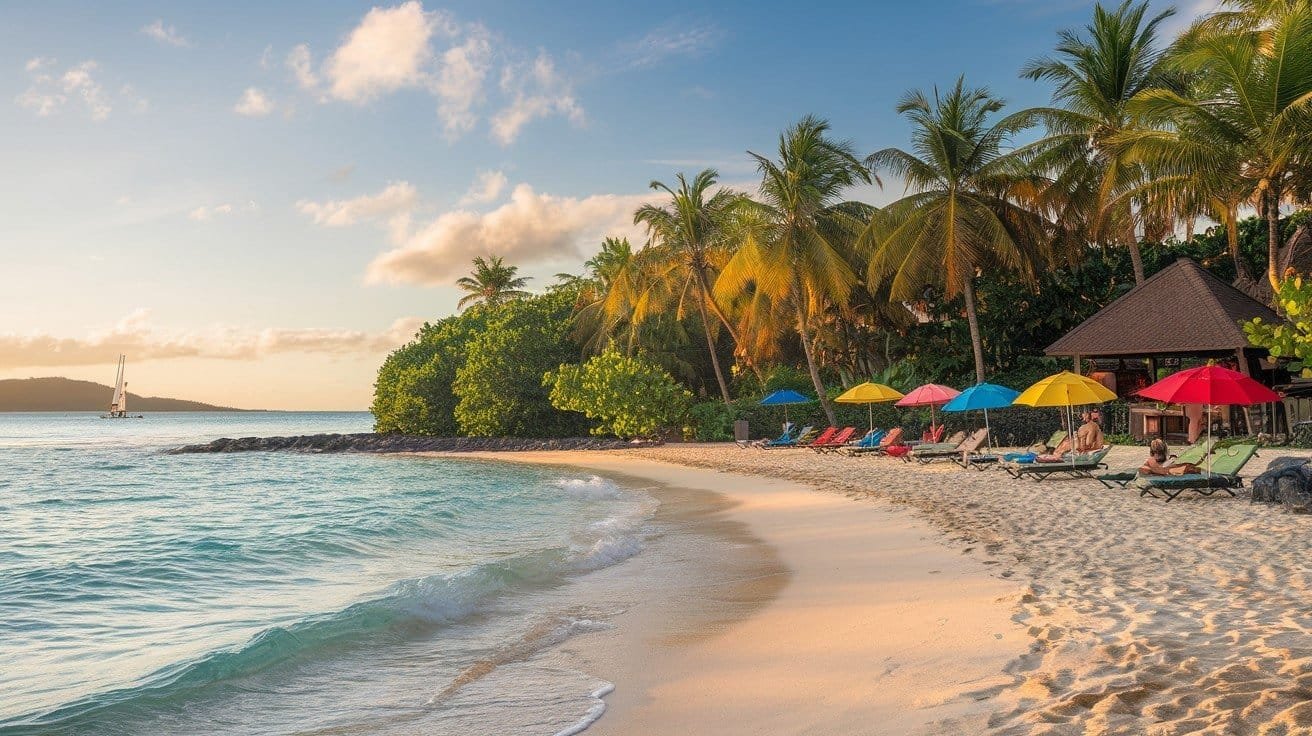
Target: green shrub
624,396
711,421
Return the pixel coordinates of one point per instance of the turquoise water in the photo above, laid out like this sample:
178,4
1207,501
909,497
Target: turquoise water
143,593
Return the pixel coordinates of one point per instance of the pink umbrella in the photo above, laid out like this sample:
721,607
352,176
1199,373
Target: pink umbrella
931,395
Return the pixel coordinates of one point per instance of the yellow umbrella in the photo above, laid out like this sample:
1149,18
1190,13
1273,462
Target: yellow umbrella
1065,389
869,394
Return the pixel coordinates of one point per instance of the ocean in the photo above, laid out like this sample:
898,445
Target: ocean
274,593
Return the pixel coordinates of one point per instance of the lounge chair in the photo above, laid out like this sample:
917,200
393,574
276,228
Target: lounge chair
890,438
1223,476
1195,453
785,441
944,451
950,443
1076,466
835,443
1039,448
787,436
824,437
868,442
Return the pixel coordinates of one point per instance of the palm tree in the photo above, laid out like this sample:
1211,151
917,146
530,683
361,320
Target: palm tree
609,295
1096,73
1246,123
686,249
795,250
492,282
966,207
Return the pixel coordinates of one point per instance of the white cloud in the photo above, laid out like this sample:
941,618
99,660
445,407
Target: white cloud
537,90
205,213
396,200
389,50
487,186
135,335
164,34
49,92
530,228
253,103
302,66
669,40
459,83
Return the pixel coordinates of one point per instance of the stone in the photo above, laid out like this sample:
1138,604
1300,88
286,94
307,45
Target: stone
380,443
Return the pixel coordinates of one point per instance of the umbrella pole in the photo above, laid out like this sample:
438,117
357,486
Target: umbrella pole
870,409
1208,414
988,432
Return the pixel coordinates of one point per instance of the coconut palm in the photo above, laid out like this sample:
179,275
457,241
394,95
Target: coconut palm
492,282
969,205
1246,122
685,251
1096,73
794,254
609,295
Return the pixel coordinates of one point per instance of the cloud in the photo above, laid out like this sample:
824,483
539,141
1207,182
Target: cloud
137,337
396,200
253,103
301,64
487,186
530,228
164,34
459,83
670,40
389,50
205,213
537,90
49,92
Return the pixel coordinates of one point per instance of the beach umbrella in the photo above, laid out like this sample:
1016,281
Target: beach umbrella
784,397
983,396
931,395
869,394
1210,385
1065,389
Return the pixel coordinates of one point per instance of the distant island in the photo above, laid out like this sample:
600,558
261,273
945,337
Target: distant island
66,394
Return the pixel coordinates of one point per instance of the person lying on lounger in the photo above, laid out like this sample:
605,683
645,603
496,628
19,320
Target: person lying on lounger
1158,462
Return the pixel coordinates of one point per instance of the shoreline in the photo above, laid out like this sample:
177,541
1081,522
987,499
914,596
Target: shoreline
872,620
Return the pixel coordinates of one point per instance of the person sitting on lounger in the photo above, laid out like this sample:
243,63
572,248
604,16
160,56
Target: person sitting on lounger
1088,438
1158,462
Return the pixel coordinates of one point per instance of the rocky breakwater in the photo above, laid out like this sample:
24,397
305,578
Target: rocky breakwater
369,442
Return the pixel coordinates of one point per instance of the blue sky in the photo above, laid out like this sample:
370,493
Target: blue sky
255,201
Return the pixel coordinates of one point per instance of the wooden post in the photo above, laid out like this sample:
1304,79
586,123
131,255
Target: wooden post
1076,358
1244,369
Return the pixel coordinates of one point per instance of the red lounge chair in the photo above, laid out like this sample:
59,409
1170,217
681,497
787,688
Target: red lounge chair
824,437
839,440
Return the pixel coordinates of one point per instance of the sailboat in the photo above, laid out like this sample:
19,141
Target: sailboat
118,406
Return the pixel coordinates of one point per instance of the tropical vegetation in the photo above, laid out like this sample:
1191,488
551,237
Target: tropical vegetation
1012,226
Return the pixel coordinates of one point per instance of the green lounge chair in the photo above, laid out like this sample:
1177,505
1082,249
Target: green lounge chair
1078,466
943,451
951,443
1196,452
1223,476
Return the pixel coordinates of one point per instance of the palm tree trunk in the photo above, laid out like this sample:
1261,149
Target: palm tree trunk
1136,260
709,299
804,332
715,359
1232,242
1273,239
976,343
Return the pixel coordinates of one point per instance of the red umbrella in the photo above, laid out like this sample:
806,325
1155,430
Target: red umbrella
931,395
1210,385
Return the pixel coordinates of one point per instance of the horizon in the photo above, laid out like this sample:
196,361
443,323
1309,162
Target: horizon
256,205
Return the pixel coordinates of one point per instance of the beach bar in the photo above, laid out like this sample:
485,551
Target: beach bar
1182,314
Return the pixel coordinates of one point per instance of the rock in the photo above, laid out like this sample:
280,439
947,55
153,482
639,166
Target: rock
1287,481
378,443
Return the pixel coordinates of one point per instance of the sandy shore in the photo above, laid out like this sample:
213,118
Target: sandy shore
1139,617
851,618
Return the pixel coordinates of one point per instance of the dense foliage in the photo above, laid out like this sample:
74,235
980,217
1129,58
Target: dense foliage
994,252
624,396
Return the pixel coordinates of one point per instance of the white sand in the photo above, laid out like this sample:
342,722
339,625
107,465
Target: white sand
874,625
1141,617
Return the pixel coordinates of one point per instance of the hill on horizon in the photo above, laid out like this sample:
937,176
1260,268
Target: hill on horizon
67,394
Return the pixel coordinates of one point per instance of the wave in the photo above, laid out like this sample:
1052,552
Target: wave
408,608
594,488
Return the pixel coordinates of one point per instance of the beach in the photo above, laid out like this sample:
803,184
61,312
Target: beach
864,620
930,599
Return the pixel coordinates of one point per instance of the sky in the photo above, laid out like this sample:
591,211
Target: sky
257,201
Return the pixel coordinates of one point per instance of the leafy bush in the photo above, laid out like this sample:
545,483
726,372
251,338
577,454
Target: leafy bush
711,421
499,388
626,397
1291,339
413,392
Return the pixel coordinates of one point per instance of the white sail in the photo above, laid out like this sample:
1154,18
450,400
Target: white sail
117,404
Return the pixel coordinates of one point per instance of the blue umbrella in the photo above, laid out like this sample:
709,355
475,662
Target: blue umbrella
784,397
983,396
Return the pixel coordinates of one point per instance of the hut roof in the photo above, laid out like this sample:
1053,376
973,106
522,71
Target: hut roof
1181,309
